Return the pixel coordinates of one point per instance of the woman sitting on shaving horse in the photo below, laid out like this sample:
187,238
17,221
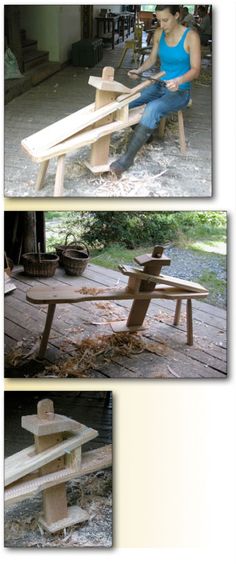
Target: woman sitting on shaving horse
180,56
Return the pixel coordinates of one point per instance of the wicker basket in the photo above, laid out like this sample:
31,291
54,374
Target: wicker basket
74,244
40,264
75,261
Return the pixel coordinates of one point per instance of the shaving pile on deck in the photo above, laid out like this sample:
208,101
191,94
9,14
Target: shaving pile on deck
93,493
92,353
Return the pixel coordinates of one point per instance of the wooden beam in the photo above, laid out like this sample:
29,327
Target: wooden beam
102,84
59,424
60,295
26,461
169,280
92,461
100,149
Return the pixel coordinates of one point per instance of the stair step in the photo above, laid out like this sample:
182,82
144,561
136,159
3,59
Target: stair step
33,58
14,88
40,73
29,45
23,34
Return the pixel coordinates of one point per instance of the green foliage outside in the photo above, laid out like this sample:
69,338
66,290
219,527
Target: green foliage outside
133,229
114,238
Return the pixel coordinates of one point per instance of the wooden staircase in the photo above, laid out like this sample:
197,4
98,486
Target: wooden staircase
36,68
36,63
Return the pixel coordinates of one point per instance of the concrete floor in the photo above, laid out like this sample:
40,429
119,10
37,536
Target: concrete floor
160,172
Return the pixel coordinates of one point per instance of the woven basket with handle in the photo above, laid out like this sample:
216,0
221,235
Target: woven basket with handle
40,264
75,260
73,244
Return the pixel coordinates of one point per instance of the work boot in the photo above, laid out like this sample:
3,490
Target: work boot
138,139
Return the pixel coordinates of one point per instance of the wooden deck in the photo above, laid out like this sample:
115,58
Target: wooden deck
164,351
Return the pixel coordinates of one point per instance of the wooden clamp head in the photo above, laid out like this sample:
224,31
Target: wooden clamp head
46,422
107,83
45,409
156,257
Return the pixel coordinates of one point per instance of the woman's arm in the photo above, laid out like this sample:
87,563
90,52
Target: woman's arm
151,59
194,47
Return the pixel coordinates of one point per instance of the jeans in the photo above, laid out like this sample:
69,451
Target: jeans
159,103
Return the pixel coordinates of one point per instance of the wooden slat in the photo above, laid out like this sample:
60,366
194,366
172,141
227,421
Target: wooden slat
84,138
92,461
71,295
59,423
169,280
23,463
65,128
108,85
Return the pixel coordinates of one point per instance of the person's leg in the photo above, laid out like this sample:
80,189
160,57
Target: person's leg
169,102
154,111
148,94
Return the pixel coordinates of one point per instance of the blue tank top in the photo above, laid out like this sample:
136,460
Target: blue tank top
175,61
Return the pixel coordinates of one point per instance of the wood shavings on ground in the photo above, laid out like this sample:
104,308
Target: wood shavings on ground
93,353
129,184
22,352
93,493
173,373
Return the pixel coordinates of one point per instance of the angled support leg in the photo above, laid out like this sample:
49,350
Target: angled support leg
46,332
183,147
162,126
59,181
41,175
189,323
177,312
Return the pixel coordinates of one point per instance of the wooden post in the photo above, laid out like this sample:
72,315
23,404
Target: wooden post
41,174
100,149
59,181
177,312
182,141
56,514
46,332
161,129
152,265
189,323
54,499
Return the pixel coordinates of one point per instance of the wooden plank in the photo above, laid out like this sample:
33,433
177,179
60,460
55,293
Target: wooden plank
92,461
41,427
71,295
57,131
101,83
169,280
27,461
84,138
74,516
179,283
62,129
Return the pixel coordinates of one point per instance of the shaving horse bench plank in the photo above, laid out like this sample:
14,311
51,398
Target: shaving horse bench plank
91,125
143,286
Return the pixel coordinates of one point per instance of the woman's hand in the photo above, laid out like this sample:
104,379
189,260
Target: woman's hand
172,85
133,74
